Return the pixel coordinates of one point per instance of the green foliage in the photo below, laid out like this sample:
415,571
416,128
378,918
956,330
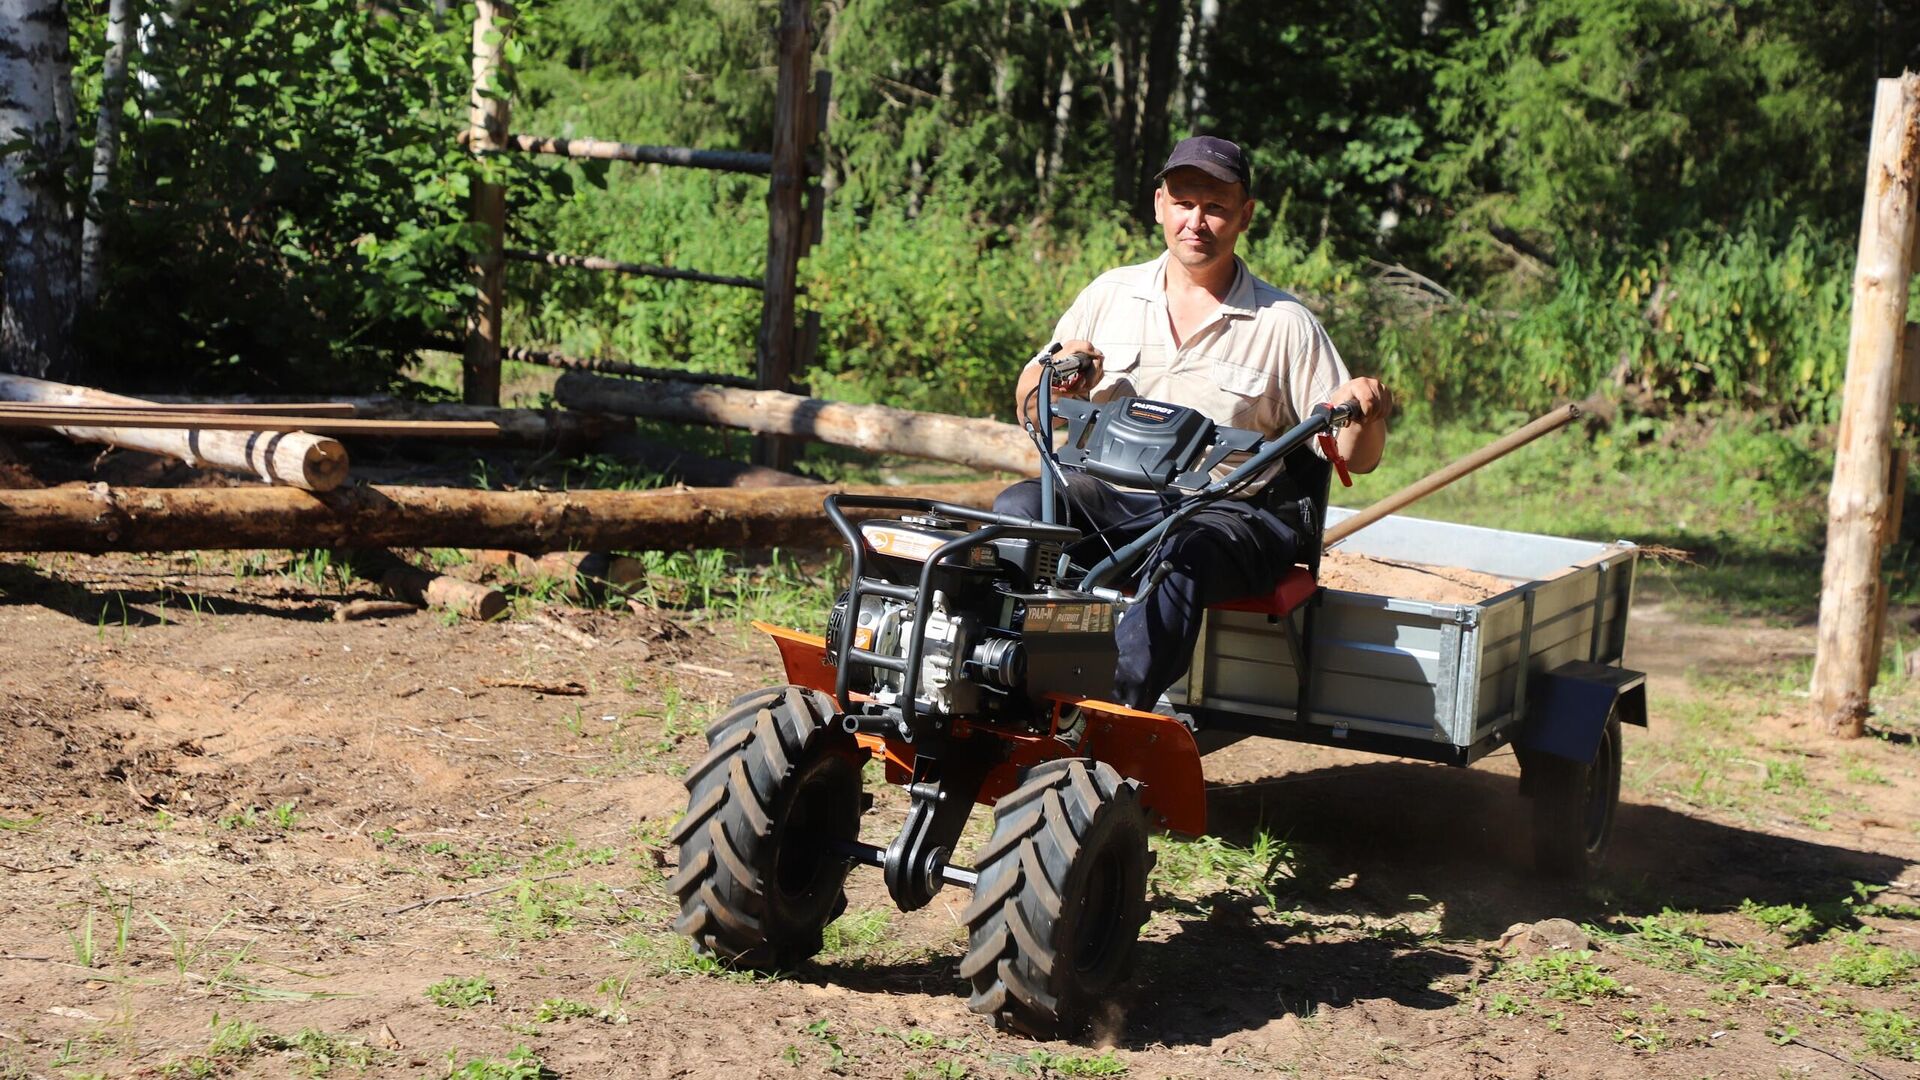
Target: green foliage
461,992
1185,867
1628,121
519,1064
291,205
1864,964
1566,976
1891,1033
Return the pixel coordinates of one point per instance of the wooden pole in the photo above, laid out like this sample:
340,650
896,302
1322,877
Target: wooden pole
100,518
530,427
51,416
786,217
298,459
488,123
1857,506
1440,478
983,444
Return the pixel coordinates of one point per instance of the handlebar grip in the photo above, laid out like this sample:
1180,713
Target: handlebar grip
1062,369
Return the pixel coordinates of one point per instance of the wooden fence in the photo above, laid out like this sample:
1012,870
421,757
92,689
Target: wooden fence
795,203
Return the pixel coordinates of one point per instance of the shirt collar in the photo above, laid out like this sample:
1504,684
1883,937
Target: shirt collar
1152,287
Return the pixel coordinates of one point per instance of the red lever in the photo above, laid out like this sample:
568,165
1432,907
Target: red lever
1331,447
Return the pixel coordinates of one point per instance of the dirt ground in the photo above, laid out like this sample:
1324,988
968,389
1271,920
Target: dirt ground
238,838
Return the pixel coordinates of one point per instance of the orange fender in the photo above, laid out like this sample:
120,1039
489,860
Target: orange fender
1156,750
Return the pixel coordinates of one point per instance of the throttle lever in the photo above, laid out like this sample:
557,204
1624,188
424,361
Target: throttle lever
1330,446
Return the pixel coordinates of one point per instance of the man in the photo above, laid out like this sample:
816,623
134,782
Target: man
1194,327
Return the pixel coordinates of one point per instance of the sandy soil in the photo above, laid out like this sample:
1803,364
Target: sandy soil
226,820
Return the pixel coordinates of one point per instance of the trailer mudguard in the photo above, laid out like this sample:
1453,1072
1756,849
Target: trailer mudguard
1569,706
1156,750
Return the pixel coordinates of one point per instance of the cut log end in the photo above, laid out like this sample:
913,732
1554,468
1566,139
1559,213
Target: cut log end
324,466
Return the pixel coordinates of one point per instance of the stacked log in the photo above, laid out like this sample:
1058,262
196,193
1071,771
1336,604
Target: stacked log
100,518
297,459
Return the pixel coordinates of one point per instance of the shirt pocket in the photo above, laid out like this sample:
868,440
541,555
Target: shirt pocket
1245,391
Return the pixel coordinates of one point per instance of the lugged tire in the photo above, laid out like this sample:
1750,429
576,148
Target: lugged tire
1061,898
1574,805
778,785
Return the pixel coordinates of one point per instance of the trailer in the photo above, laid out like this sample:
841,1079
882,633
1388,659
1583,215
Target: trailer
1536,667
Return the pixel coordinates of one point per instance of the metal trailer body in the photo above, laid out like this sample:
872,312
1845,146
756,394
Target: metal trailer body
1536,664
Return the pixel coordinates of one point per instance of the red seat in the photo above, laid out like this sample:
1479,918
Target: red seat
1296,587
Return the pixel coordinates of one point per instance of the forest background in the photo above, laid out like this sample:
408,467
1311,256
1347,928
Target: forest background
1492,204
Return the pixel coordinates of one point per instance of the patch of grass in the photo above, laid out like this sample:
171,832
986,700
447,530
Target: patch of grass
519,1064
1185,868
1864,964
1047,1063
283,816
1504,1004
8,824
667,953
1795,922
1891,1033
321,1052
553,1009
857,933
461,992
1565,976
244,818
541,909
1673,941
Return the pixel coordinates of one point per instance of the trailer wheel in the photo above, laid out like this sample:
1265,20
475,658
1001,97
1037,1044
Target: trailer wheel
1060,900
778,788
1573,807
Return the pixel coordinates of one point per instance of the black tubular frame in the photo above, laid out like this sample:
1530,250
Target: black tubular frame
998,526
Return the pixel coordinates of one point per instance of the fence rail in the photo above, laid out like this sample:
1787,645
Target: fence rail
595,262
795,198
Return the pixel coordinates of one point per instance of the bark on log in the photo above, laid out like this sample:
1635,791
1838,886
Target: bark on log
695,470
99,518
580,573
1845,660
424,588
984,444
297,459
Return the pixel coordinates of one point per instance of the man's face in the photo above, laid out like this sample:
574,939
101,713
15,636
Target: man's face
1201,216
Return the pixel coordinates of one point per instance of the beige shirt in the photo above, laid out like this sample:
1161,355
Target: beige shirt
1261,363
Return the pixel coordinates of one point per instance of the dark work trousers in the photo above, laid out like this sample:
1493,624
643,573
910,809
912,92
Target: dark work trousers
1231,550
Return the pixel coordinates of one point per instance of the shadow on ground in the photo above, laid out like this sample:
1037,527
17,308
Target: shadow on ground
115,607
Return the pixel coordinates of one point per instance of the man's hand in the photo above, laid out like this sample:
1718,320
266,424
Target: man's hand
1375,401
1082,382
1079,385
1362,443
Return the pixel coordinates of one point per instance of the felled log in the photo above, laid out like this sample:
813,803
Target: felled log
297,459
401,579
580,573
697,470
100,518
983,444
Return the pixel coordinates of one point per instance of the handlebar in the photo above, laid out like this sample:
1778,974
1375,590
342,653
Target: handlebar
1324,419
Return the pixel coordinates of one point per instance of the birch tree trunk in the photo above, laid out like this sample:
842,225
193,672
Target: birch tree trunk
106,143
39,256
1193,60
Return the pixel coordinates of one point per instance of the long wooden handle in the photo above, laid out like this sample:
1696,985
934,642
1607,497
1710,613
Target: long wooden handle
1433,482
25,415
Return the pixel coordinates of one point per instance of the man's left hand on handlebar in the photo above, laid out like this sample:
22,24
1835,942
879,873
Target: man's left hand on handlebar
1375,401
1362,442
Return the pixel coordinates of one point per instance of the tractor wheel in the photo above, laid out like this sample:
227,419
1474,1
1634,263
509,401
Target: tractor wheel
1060,900
779,787
1573,807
